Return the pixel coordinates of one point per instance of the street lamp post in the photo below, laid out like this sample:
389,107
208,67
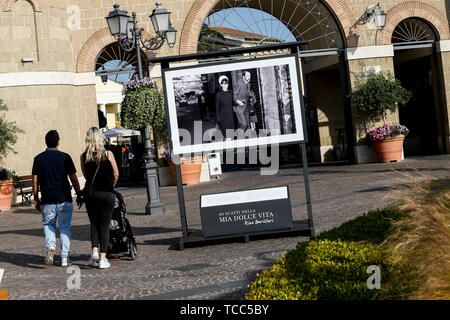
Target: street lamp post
130,37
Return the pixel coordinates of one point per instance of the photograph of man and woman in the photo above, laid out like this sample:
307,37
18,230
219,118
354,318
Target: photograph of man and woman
236,104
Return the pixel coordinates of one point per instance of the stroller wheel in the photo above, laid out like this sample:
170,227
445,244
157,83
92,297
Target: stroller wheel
133,250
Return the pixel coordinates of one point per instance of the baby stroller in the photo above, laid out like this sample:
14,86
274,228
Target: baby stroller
121,237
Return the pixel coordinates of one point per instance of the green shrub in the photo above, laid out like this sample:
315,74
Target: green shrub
375,94
8,133
6,174
333,265
143,106
324,269
373,227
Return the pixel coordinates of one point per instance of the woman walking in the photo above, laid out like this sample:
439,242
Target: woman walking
98,165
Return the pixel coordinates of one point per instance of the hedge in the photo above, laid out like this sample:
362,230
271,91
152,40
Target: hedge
333,265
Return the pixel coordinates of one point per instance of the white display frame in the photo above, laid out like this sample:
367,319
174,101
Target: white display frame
298,106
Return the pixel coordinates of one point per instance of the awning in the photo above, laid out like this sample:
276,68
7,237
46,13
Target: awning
120,132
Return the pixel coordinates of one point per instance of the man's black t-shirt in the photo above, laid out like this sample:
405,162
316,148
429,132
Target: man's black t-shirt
52,168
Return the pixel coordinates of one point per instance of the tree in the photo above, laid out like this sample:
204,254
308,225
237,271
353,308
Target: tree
8,133
376,94
210,40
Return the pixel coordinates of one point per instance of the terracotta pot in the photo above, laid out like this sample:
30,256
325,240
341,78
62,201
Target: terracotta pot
190,172
390,149
6,194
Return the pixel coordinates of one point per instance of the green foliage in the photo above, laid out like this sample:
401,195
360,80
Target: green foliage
333,265
6,174
8,133
375,94
323,269
141,107
209,39
373,227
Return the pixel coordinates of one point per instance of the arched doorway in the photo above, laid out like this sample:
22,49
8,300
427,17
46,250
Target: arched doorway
231,24
113,66
117,64
417,65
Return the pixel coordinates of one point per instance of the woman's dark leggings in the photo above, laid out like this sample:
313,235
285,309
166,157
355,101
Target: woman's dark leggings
100,209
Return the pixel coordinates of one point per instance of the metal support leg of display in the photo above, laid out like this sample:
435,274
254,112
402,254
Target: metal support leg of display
181,205
304,228
307,191
294,50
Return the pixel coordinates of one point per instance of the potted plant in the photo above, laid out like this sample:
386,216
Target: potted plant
191,168
143,106
374,96
7,178
8,137
387,142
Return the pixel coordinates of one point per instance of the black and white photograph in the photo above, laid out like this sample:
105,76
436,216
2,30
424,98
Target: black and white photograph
234,105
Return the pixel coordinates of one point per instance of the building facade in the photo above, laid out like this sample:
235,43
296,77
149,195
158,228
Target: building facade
50,52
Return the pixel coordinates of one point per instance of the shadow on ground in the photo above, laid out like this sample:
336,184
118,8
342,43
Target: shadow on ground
82,232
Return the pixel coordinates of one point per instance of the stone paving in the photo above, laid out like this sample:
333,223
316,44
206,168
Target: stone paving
217,271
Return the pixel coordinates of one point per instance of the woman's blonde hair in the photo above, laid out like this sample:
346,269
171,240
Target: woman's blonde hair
95,145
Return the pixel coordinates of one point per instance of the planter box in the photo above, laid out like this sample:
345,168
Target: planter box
190,171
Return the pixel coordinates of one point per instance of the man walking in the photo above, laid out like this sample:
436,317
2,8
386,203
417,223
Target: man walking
50,171
243,99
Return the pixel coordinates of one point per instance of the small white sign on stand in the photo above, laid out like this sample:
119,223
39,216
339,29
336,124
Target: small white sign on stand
215,167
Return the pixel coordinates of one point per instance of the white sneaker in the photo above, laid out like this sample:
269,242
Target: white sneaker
93,261
104,264
65,262
50,256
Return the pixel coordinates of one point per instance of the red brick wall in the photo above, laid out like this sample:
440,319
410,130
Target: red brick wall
410,9
93,46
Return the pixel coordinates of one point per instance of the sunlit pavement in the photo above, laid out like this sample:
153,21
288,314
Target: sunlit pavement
217,271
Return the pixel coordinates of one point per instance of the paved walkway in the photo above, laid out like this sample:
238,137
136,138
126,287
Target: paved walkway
219,271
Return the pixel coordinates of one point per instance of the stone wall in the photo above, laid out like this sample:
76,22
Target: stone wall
38,109
47,93
93,13
43,35
330,110
446,85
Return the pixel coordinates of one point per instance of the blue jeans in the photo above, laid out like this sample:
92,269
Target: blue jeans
63,213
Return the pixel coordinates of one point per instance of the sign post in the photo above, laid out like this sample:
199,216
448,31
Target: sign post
249,212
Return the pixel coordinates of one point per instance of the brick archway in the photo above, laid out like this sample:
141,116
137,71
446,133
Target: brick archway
201,8
413,9
93,46
7,6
